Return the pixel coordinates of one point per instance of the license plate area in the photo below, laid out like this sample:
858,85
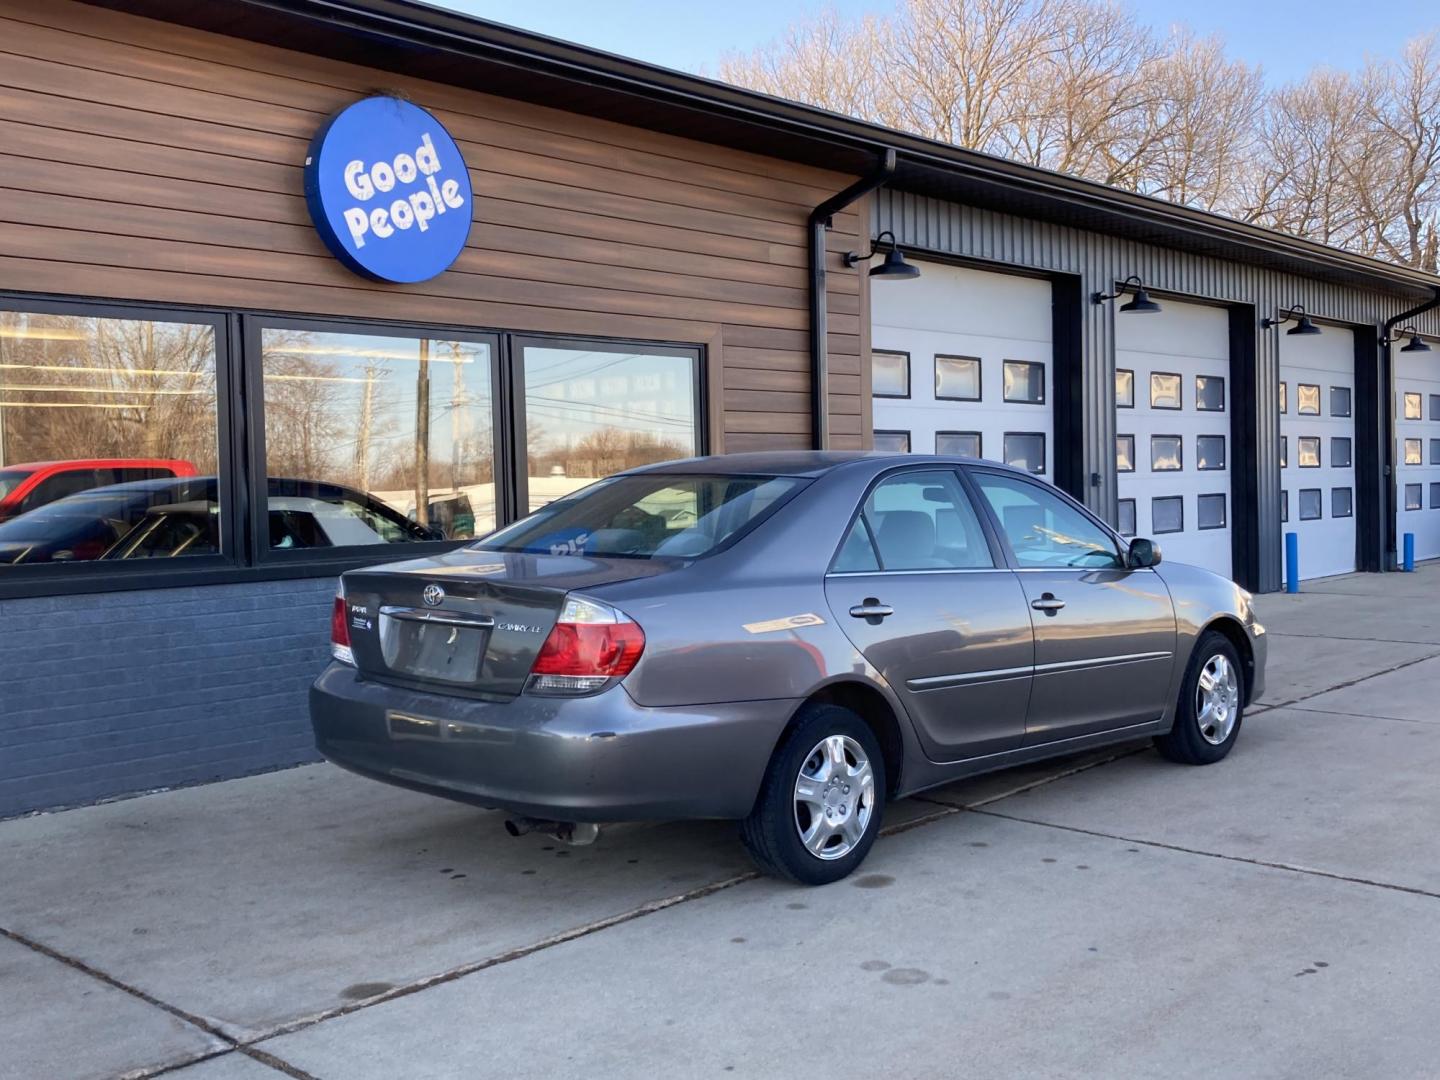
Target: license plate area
433,648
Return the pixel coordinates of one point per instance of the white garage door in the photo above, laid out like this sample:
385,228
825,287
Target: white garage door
1172,428
1417,451
1317,448
961,363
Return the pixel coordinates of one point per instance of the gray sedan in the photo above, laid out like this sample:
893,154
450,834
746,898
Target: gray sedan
790,640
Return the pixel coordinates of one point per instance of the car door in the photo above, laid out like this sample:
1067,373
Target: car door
1104,634
922,590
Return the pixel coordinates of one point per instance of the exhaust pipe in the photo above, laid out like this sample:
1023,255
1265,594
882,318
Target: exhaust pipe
576,833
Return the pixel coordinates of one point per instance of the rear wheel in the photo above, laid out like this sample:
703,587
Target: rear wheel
1212,700
821,801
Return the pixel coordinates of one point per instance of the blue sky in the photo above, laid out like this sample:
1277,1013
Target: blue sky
1285,36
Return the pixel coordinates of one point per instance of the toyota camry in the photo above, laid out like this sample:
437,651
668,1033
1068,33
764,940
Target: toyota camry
790,640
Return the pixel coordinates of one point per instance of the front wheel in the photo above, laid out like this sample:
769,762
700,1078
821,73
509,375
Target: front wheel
1212,700
821,801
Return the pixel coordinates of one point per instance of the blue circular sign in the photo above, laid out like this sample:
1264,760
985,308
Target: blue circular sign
388,190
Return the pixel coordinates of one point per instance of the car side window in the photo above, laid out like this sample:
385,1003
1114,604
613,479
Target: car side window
857,554
924,521
1043,529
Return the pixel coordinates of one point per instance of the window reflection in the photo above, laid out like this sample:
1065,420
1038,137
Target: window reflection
393,435
87,404
592,412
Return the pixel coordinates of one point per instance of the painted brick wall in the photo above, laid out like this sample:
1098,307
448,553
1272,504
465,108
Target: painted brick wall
120,692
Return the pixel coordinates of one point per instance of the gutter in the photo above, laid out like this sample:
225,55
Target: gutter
816,227
1387,422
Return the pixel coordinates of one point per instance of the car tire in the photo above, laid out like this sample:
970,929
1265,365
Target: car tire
807,790
1211,705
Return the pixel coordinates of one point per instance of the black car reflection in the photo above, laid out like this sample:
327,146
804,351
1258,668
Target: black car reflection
169,518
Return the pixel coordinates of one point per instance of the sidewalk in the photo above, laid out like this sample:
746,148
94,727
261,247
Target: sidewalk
1107,916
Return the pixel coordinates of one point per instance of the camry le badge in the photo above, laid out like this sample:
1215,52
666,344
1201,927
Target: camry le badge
434,595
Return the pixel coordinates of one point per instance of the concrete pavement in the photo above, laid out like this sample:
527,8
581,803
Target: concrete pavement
1111,915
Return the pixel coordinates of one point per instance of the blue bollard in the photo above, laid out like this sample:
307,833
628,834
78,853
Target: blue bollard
1292,562
1409,553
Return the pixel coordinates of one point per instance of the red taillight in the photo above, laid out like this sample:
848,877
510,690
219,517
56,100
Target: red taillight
590,644
340,632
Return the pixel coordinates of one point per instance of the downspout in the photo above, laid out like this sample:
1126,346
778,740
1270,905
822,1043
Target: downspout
819,222
1387,414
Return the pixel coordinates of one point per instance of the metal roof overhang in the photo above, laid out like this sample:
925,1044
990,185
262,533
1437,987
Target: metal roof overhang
427,42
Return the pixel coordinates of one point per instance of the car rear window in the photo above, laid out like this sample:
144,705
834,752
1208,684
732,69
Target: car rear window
651,515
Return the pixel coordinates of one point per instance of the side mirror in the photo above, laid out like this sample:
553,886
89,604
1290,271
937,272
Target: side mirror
1142,554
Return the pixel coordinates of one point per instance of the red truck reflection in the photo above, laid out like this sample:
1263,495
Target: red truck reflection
24,487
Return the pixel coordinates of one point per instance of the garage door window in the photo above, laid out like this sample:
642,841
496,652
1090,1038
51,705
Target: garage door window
1209,393
1342,502
1340,453
1435,406
890,374
1211,511
1309,504
1412,407
893,441
1435,451
957,378
959,443
1127,516
1124,388
1164,390
1025,450
1167,514
1024,382
1412,452
1284,507
1166,453
1124,453
1435,496
1209,452
1309,451
1284,451
1307,399
1284,399
1339,401
1412,497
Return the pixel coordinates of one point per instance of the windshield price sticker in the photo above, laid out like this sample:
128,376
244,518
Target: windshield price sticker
389,191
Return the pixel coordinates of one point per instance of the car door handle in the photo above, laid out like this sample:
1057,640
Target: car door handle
872,610
1048,604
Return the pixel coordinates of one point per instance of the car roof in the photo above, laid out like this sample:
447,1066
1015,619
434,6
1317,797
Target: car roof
808,463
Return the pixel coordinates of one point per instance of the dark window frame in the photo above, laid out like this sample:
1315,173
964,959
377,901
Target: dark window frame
1435,451
1405,397
1405,443
238,368
1179,453
1284,506
1284,397
979,441
1118,403
979,376
909,380
1200,526
1166,499
1300,440
1223,399
1284,451
1349,445
1319,494
1044,450
1435,495
1179,405
1224,453
1319,409
1419,496
1118,437
1041,400
1349,401
1350,492
909,442
1134,517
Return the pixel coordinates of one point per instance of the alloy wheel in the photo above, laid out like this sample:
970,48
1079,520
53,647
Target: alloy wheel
834,797
1217,699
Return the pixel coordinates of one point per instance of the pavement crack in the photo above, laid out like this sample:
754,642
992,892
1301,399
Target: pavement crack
1309,871
1353,682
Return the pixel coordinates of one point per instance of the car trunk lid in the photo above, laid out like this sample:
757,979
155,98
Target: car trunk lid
468,622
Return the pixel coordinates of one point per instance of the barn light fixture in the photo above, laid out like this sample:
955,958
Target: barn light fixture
894,267
1141,304
1295,314
1417,344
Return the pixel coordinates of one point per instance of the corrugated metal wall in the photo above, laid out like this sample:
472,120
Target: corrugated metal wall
923,224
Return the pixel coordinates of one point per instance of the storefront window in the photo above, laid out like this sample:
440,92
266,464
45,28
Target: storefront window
592,411
373,439
104,422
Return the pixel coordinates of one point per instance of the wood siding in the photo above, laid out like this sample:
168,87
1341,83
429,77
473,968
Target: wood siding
145,161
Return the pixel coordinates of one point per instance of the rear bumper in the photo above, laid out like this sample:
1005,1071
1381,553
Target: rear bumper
601,758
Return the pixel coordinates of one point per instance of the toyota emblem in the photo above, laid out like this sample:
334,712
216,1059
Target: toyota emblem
434,595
